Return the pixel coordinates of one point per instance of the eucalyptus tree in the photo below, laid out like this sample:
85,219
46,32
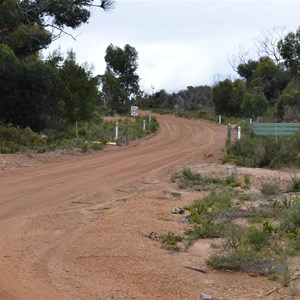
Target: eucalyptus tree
120,83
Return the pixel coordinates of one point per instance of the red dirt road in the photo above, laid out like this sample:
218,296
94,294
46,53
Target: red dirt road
76,229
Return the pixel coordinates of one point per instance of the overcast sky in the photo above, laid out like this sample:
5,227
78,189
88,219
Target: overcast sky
179,43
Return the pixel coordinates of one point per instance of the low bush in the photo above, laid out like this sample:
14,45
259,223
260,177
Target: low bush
246,261
270,189
170,241
265,151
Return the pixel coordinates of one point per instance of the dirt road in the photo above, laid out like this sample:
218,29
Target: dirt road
77,229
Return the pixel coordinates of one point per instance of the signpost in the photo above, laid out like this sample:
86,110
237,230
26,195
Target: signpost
134,111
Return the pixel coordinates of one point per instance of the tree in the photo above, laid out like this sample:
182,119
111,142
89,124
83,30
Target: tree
120,77
289,48
267,75
247,69
268,44
221,96
31,92
25,24
81,90
270,77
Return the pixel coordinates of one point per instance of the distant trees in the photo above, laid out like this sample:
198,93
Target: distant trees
272,81
120,83
192,98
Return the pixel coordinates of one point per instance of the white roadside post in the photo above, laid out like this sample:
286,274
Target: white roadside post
117,131
220,119
149,119
239,132
144,124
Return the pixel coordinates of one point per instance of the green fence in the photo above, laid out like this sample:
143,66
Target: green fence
276,129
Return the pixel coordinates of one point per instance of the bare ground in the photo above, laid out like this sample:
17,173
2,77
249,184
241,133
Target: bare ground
77,226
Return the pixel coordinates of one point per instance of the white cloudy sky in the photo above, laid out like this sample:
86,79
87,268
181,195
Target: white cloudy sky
179,43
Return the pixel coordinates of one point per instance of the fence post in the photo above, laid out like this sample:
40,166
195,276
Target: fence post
239,132
117,131
229,132
76,130
127,138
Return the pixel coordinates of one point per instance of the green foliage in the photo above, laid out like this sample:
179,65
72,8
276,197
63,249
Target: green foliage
91,136
13,139
24,24
188,179
290,218
246,261
81,92
295,184
170,241
120,82
232,180
288,106
190,101
264,151
289,48
270,188
262,249
258,238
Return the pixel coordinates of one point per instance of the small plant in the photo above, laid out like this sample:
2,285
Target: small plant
270,189
258,238
170,241
188,179
285,275
244,260
84,147
176,194
247,180
295,184
231,179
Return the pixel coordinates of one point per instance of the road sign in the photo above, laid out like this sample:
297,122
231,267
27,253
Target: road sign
134,111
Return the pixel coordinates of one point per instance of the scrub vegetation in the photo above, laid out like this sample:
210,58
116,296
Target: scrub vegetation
262,243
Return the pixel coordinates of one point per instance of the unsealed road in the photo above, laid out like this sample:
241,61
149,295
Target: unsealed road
51,215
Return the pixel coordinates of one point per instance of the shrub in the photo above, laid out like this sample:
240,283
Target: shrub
170,240
258,238
290,218
245,260
270,189
295,185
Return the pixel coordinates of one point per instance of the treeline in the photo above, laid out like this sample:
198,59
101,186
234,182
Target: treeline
55,91
269,87
193,98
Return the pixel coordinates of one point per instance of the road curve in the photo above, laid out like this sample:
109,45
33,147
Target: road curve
43,208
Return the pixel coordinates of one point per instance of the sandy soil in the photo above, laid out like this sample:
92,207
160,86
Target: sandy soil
77,226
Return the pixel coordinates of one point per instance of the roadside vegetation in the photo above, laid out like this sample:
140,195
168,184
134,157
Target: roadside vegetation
257,233
89,136
268,151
